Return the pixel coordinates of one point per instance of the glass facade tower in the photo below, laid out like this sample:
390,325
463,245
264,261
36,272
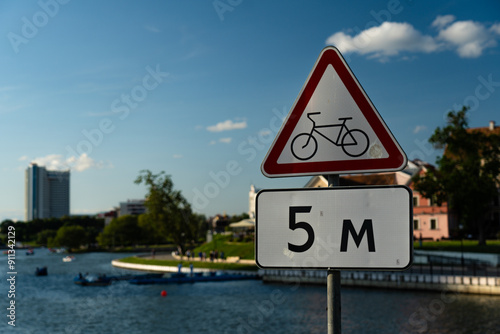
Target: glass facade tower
46,193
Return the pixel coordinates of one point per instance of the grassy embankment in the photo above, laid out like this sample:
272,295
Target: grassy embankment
245,250
469,246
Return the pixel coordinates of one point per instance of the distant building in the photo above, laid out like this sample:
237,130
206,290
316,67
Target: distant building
108,216
133,207
219,222
46,193
252,194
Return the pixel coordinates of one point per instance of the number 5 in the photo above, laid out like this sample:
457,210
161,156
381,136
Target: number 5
293,226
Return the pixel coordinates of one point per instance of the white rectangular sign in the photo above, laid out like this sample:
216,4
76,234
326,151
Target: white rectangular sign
337,228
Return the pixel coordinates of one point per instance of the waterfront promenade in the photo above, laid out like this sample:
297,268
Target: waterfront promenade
169,269
467,279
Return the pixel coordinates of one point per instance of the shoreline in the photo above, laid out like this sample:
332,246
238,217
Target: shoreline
366,279
171,269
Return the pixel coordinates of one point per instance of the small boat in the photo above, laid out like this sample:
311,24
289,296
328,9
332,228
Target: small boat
92,280
68,258
30,252
57,250
41,271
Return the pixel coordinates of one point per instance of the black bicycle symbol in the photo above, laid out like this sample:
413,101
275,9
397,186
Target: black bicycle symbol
354,142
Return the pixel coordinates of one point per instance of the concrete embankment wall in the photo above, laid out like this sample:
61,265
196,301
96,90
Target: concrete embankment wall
154,268
170,269
421,256
460,284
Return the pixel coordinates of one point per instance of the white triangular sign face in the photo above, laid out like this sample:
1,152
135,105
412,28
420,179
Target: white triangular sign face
332,128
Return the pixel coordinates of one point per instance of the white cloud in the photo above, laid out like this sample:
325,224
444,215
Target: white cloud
442,21
226,140
23,158
495,28
79,164
388,39
468,38
227,125
264,132
419,128
177,156
52,162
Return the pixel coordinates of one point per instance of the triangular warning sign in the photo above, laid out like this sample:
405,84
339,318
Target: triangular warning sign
332,128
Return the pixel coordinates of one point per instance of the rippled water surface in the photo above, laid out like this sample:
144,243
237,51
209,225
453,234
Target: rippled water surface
54,304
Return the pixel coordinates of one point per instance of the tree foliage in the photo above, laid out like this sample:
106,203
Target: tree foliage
467,174
121,231
30,231
45,237
169,214
240,217
71,237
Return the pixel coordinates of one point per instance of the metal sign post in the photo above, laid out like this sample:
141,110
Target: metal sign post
333,285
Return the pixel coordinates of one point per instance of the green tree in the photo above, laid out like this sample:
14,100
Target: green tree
29,231
169,213
4,226
197,228
149,234
71,237
44,236
121,231
467,174
237,218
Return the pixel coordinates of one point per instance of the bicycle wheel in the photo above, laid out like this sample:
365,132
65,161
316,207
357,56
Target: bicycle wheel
304,146
355,143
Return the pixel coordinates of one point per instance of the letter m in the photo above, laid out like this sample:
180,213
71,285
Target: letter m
349,228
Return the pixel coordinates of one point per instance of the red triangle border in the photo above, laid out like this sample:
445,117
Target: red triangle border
396,159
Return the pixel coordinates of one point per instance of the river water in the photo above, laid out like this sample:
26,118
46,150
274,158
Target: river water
54,304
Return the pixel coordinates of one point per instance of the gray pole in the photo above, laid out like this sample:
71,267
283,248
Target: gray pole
333,284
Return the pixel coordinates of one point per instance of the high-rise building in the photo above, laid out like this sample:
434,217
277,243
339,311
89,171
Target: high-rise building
132,207
46,193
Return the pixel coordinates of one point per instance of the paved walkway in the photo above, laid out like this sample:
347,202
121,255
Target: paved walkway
169,269
169,256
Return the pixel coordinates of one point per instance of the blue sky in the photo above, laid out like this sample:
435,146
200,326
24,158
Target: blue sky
197,89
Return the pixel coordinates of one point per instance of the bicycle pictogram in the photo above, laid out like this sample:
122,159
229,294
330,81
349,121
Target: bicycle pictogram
354,142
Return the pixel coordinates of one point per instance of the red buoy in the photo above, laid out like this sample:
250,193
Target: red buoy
163,293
